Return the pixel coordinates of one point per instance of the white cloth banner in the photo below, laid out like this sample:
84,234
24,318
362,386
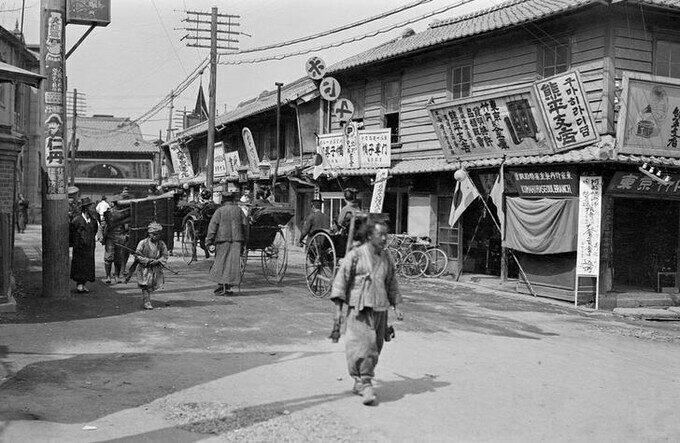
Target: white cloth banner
219,163
233,162
589,220
181,161
379,191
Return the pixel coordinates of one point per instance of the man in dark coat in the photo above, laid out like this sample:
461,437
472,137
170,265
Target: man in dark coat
226,232
115,232
315,220
83,231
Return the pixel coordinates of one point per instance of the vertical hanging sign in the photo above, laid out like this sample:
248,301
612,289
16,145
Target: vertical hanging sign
379,190
55,112
219,161
251,150
589,220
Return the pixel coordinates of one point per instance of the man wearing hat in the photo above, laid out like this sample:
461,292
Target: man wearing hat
83,231
226,234
73,204
115,230
314,221
151,254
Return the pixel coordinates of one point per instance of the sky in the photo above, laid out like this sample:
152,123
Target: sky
129,66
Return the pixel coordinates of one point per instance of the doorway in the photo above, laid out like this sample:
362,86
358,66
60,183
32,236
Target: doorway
644,243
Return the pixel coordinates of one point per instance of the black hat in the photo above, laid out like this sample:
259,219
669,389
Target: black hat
206,194
85,201
228,195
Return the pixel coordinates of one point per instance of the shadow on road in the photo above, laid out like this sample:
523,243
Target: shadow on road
86,387
390,391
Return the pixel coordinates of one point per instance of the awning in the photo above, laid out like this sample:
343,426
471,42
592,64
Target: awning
11,73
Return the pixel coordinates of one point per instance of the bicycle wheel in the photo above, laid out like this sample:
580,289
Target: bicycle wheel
189,242
397,257
415,264
438,262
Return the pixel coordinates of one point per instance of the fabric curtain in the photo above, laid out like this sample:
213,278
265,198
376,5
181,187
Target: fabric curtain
541,226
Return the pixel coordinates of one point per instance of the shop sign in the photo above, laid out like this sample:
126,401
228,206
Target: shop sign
88,12
489,125
543,182
640,184
589,219
181,161
374,148
379,187
649,118
566,111
251,150
219,162
332,148
233,163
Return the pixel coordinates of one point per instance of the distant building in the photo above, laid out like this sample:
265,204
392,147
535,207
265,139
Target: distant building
112,154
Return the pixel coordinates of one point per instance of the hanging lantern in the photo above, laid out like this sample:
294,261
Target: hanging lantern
265,169
243,174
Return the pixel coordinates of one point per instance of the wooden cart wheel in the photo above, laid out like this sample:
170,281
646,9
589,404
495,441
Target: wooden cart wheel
189,240
321,261
275,259
244,261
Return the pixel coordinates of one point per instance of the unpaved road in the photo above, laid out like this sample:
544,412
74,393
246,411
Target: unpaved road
467,364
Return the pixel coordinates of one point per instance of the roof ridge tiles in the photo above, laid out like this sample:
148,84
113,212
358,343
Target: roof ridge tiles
481,12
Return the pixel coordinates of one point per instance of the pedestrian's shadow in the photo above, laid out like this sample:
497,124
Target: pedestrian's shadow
389,391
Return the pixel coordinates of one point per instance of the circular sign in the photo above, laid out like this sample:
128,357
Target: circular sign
316,68
343,110
329,89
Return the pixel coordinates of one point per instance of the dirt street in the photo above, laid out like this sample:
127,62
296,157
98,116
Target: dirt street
468,363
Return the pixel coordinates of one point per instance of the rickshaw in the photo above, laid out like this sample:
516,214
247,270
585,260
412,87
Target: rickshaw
265,234
158,208
326,248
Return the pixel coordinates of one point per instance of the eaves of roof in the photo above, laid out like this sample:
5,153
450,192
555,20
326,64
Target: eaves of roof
115,181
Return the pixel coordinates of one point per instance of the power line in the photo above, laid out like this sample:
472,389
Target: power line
167,35
332,31
349,40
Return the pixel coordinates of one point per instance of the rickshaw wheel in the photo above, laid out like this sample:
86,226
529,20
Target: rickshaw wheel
189,242
321,261
244,261
275,259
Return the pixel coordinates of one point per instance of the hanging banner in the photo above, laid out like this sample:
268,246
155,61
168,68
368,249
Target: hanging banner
551,181
52,55
233,162
219,162
379,191
566,111
251,150
490,125
649,118
375,148
589,219
181,161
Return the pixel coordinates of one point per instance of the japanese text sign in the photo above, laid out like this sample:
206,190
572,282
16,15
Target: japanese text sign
636,183
219,162
543,182
490,125
181,161
88,12
566,111
251,149
336,154
589,220
374,148
233,162
379,190
649,118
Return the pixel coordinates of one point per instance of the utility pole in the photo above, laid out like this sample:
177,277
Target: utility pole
278,133
74,138
53,100
168,134
201,18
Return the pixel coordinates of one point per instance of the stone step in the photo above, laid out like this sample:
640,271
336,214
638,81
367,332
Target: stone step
670,314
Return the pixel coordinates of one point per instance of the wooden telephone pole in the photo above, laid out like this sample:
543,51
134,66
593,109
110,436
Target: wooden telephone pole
217,29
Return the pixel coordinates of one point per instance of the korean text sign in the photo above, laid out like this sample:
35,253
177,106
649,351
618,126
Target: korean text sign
490,125
589,220
564,104
649,118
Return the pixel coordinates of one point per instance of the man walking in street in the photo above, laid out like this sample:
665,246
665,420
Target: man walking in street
226,233
115,234
151,255
314,221
83,230
367,283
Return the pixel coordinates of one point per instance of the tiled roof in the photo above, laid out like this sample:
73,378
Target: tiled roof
111,134
264,102
505,15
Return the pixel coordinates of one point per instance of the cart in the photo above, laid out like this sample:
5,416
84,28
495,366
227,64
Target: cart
326,248
158,208
265,234
194,229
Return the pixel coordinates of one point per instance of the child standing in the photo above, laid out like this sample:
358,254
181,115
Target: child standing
151,255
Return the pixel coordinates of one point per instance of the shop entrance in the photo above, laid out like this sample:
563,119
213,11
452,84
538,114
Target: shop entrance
645,239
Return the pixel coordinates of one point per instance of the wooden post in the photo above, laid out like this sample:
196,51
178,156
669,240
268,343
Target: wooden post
53,97
212,90
74,139
278,135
